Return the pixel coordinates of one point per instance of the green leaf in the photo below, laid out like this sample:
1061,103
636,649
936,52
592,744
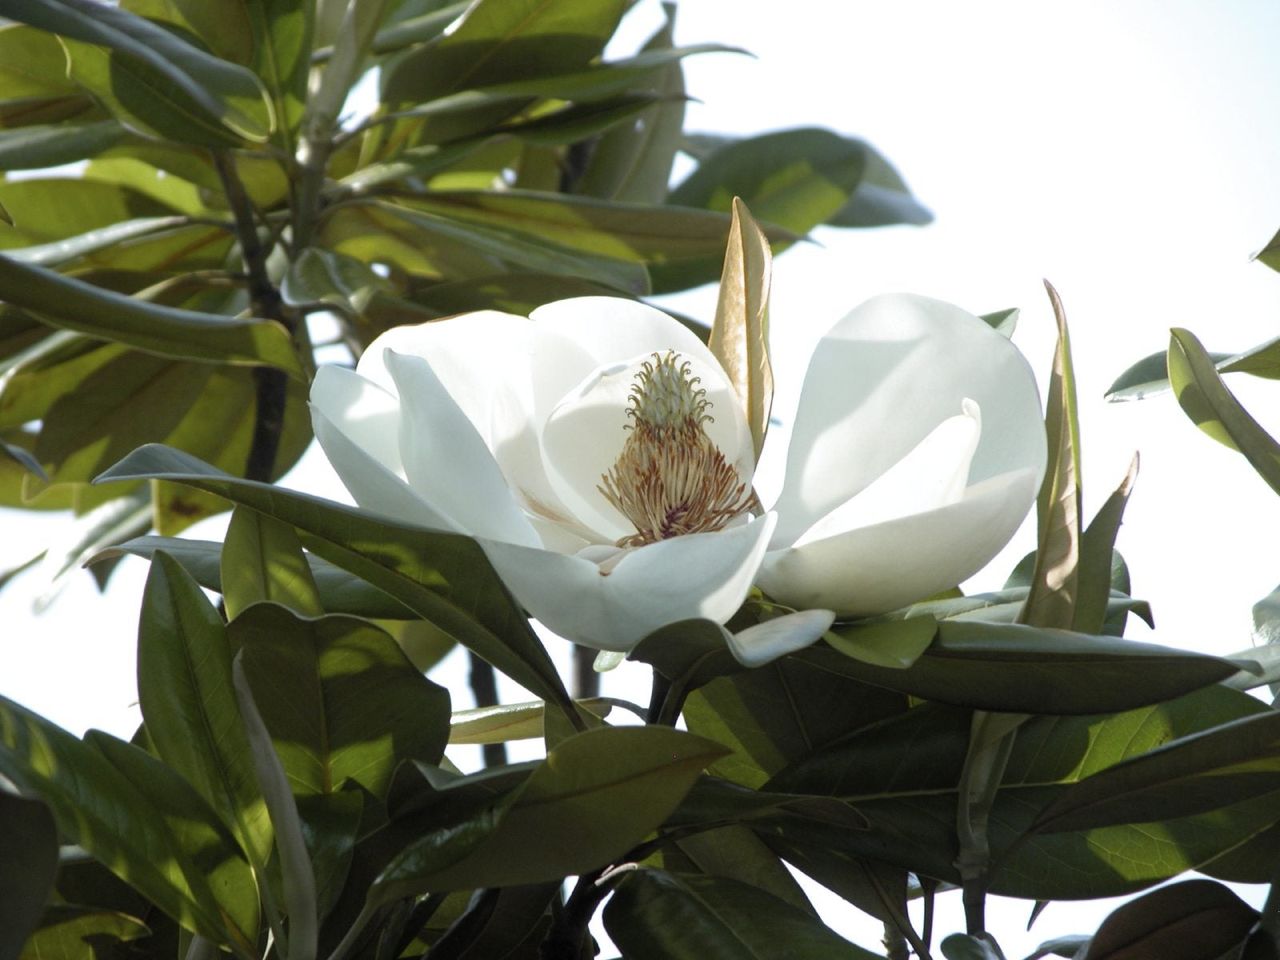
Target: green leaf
29,852
184,688
1020,669
340,591
75,305
34,81
511,721
221,99
78,933
339,698
1002,322
1192,920
1214,409
1189,776
681,917
595,796
961,946
100,809
740,332
501,40
895,644
443,577
633,163
34,147
438,246
1055,579
796,179
1096,557
882,199
1150,375
195,828
282,34
262,560
24,459
736,853
60,252
296,874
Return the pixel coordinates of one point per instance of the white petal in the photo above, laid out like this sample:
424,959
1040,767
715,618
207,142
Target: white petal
881,380
585,433
932,475
767,641
446,460
366,413
370,482
701,575
879,568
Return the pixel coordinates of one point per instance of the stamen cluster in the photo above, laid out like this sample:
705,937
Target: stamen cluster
671,479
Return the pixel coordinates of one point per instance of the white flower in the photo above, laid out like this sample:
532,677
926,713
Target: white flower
600,457
596,451
917,449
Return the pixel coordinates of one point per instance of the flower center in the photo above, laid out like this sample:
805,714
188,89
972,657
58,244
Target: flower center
670,479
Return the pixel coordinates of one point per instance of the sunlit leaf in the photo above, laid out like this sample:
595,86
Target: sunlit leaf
262,560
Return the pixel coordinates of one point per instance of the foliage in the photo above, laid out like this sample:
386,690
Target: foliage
289,793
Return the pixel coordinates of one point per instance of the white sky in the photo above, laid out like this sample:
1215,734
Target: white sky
1126,151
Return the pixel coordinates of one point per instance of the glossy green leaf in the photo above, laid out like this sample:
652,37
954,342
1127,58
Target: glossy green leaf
633,164
882,199
75,305
34,81
209,93
961,946
184,689
1020,669
339,698
681,917
29,851
100,809
296,874
518,293
1055,581
1150,375
443,577
59,252
331,825
595,796
340,591
1003,322
895,644
195,828
322,276
1182,778
50,208
282,33
578,121
1270,254
1214,409
796,179
262,561
70,932
1192,920
24,459
501,40
736,853
406,26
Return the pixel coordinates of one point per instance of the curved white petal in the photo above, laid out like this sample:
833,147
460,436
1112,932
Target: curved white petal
701,575
932,475
482,359
584,435
878,568
881,380
446,460
370,482
366,413
767,641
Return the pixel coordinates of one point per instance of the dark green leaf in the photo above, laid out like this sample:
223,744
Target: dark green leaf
1002,322
75,305
184,688
511,721
1020,669
658,914
59,252
443,577
1192,920
30,148
1097,556
262,560
882,199
296,874
595,796
339,698
961,946
29,852
24,459
1192,775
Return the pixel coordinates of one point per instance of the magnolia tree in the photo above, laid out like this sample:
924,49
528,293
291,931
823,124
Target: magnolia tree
526,439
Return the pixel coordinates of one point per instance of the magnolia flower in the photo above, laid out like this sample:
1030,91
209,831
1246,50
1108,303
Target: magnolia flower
599,455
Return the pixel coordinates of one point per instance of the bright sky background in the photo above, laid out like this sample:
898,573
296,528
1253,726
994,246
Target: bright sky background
1125,151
